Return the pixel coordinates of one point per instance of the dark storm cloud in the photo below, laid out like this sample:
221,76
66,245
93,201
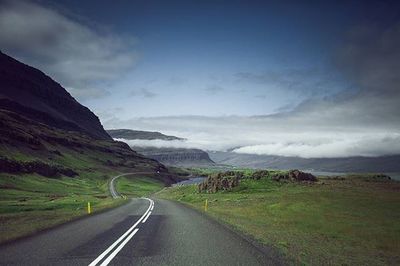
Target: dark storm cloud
76,55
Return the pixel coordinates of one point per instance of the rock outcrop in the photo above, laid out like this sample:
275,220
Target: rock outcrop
259,174
294,175
219,181
177,156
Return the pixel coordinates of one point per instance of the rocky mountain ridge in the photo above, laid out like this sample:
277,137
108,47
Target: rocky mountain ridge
29,92
45,131
180,157
139,134
177,156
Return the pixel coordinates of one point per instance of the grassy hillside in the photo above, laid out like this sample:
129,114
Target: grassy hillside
47,175
22,139
330,222
55,156
30,203
133,186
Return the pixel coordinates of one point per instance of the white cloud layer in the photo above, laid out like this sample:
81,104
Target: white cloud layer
271,135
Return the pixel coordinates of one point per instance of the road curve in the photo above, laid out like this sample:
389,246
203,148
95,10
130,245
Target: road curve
141,232
111,186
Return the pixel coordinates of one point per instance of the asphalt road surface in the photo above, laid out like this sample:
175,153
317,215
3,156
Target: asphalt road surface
141,232
111,186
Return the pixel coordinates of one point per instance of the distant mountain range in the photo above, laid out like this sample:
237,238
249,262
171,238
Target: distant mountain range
350,164
179,157
137,134
198,158
44,130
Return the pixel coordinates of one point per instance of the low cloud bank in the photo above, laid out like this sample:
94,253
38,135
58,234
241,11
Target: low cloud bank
306,144
369,146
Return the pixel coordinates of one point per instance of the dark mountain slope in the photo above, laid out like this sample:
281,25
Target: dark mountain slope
29,92
43,130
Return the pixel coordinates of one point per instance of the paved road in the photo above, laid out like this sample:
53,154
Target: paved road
141,232
111,186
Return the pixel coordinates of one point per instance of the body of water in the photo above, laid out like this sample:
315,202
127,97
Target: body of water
190,181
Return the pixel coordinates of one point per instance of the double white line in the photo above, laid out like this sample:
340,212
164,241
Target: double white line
124,238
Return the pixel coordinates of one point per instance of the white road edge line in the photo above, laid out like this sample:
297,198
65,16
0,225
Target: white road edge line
102,255
145,219
118,249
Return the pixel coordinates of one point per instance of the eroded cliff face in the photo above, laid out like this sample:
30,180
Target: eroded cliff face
169,156
177,157
139,134
29,92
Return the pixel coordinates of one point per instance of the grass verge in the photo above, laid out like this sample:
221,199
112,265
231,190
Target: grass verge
31,203
138,186
332,222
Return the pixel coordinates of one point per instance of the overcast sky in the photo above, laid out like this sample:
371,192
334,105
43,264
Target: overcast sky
291,78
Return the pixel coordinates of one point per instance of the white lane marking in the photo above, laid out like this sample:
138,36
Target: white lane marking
118,249
102,255
152,207
145,219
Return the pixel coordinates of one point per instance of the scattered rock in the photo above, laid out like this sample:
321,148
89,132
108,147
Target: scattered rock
295,175
381,177
338,177
219,181
259,174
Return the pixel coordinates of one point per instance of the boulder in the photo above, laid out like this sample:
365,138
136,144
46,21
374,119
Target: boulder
295,175
259,174
219,181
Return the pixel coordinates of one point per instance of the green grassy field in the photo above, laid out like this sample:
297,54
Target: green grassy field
30,203
332,222
132,186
